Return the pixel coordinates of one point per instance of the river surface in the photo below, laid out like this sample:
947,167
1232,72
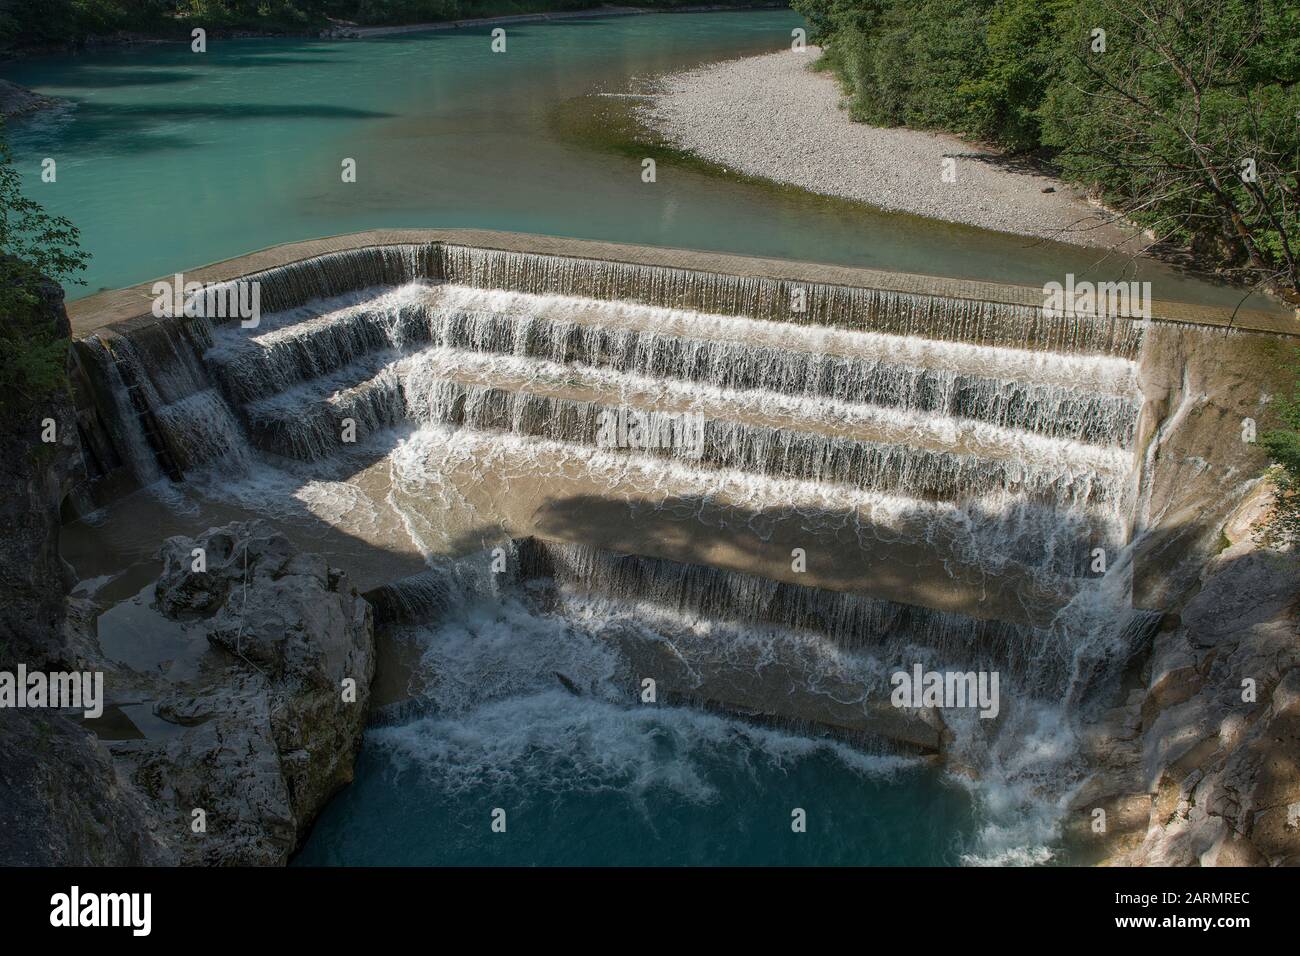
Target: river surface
169,159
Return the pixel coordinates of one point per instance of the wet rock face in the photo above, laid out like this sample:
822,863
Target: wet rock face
1210,747
61,804
271,726
34,477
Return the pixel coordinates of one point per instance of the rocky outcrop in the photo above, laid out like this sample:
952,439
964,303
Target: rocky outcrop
257,735
61,803
35,474
16,100
270,726
1201,390
1201,765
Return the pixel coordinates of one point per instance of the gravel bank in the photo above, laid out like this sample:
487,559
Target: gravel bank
771,116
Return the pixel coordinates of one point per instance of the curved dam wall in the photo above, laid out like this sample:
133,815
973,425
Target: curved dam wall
134,302
947,460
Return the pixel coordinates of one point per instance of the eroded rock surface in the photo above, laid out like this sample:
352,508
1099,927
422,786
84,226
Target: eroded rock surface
62,804
1201,766
35,474
270,727
60,800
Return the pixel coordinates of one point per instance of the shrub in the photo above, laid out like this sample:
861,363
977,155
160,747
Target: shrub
35,248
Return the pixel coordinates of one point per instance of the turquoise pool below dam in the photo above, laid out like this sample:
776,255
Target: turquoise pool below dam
592,779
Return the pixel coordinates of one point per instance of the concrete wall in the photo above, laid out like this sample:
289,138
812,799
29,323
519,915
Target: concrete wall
133,303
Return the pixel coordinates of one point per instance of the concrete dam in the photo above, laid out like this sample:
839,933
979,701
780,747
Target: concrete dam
882,469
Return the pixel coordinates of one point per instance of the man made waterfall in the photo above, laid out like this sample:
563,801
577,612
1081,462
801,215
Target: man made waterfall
770,494
912,417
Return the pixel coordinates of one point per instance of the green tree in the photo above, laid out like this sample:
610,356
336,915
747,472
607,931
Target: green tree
1182,114
37,23
1187,121
1002,99
35,249
902,63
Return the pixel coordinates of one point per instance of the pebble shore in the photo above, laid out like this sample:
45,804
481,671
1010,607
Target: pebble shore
773,117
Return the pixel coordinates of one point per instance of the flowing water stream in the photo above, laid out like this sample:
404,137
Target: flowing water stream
948,467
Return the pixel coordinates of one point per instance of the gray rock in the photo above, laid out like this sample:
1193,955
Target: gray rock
62,804
1222,772
34,477
16,100
263,736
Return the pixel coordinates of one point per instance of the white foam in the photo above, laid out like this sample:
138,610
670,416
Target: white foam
1107,373
977,533
504,717
896,424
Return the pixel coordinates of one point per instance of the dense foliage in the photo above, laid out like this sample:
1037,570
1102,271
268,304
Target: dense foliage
27,24
1182,115
35,248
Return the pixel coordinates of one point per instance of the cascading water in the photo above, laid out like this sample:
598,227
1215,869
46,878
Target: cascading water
950,446
309,350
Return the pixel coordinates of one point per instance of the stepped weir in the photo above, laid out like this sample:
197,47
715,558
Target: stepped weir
902,467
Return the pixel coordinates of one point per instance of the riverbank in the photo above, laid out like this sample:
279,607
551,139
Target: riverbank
405,102
358,32
774,117
325,27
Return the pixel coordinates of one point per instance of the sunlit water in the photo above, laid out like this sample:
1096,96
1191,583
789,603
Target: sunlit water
169,159
593,779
